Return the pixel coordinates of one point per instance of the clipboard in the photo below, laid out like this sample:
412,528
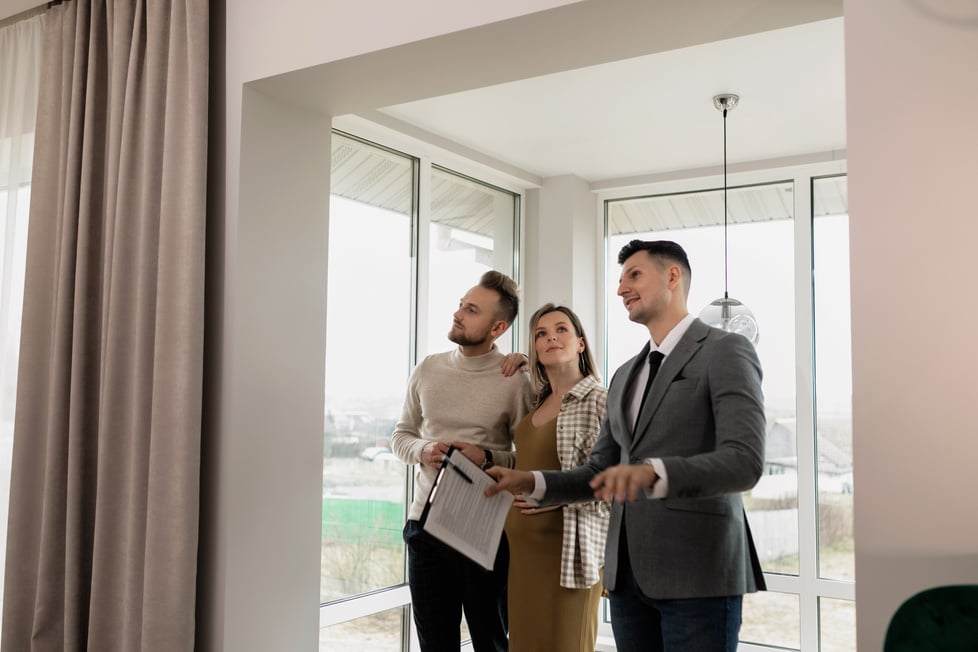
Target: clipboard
459,514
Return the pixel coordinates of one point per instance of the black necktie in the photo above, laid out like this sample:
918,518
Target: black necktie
655,361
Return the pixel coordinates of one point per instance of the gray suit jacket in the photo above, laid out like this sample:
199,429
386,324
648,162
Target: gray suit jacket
704,418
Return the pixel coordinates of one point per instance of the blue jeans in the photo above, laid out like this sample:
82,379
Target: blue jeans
444,582
643,624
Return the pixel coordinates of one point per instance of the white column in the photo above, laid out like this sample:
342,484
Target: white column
563,249
266,551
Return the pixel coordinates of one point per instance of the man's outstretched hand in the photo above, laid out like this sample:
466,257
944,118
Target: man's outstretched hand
511,480
622,482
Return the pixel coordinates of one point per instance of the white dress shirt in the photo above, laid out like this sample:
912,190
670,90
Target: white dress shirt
661,487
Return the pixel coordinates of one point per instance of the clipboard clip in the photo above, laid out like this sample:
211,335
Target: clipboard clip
447,461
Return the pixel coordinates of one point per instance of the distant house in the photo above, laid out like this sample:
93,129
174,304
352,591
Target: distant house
780,479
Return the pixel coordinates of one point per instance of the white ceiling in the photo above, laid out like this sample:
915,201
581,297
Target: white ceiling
654,113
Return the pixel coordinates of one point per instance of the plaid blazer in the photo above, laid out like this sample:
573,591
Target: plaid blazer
585,524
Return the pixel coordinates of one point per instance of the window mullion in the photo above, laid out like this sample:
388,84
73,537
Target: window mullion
423,249
805,414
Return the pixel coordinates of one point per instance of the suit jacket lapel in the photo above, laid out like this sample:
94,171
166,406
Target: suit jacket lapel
690,343
625,397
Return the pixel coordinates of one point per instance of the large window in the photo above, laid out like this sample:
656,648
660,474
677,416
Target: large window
470,232
20,61
14,205
804,538
369,292
406,240
408,237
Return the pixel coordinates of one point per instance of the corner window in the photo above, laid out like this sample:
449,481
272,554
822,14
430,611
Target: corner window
407,239
793,274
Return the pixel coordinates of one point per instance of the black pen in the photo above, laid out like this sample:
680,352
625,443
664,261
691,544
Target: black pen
448,460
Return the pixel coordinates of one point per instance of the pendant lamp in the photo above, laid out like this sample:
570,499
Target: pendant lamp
727,313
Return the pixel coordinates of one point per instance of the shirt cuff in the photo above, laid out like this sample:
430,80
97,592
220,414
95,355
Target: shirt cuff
539,489
661,487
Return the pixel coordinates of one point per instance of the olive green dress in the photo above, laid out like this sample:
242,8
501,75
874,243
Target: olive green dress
544,616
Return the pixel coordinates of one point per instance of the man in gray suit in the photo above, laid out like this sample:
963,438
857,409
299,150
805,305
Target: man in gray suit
672,459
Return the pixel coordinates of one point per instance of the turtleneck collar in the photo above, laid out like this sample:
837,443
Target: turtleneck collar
476,362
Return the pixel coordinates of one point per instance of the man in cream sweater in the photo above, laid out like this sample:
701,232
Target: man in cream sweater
461,398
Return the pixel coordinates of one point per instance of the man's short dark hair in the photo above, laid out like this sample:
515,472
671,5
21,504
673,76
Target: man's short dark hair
509,294
663,252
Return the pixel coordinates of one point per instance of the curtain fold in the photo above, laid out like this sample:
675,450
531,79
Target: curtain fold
103,525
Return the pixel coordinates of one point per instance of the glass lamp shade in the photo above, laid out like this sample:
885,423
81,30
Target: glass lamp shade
732,316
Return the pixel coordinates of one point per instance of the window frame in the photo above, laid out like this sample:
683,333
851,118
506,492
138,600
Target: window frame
807,585
426,158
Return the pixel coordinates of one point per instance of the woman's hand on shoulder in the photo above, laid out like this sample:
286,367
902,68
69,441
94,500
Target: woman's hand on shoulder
513,362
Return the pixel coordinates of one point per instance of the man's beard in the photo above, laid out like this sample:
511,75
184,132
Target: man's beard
463,340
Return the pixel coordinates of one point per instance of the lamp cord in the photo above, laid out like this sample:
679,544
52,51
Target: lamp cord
725,295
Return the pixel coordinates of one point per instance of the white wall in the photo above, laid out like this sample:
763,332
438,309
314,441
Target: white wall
912,138
272,468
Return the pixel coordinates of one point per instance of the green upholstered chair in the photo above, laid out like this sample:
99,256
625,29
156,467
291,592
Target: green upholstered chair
939,619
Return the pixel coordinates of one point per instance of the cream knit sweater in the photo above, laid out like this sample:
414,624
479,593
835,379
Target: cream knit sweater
452,397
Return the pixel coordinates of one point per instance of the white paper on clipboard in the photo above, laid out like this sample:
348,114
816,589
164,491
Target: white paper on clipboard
459,514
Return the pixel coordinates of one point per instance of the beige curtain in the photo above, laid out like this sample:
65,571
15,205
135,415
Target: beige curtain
103,525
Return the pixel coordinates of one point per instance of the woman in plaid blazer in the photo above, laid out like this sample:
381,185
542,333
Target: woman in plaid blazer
557,553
